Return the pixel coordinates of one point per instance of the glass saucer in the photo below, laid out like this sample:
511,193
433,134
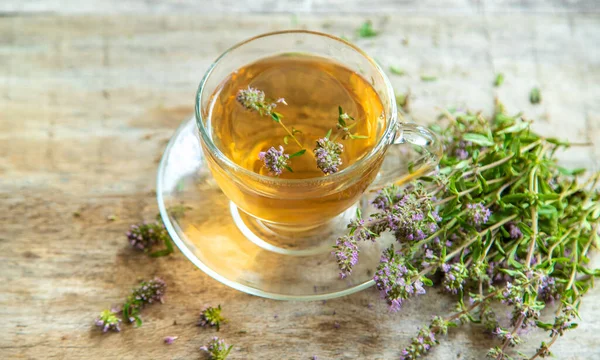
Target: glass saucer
240,252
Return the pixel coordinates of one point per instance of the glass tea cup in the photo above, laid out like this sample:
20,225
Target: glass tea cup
292,207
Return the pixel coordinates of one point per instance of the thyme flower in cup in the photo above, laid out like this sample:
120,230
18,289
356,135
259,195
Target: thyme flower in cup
217,349
254,99
108,320
327,154
211,316
275,160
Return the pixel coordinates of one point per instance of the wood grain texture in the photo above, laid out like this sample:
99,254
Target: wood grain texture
390,7
87,105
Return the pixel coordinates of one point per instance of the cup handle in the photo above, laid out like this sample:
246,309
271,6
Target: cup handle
424,142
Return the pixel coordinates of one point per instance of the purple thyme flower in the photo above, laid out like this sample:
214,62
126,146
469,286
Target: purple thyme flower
477,214
409,214
563,322
513,339
454,277
108,321
275,160
346,253
420,344
254,99
360,231
217,349
170,339
460,152
381,201
514,231
328,154
548,290
211,316
395,281
513,293
147,292
150,291
144,236
387,197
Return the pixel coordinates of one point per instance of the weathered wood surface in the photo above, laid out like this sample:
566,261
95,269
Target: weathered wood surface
444,7
87,103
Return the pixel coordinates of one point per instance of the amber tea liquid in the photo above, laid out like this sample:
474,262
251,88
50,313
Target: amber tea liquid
313,88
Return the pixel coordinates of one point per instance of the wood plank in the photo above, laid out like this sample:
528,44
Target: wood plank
88,103
402,8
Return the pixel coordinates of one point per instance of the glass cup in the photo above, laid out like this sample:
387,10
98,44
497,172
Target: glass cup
297,206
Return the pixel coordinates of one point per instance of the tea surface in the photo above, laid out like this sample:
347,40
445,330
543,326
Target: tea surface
313,88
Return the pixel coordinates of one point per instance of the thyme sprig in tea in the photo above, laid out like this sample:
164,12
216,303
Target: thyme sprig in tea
500,222
254,99
327,151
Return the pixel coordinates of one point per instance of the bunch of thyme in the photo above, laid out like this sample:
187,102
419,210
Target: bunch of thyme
500,222
147,292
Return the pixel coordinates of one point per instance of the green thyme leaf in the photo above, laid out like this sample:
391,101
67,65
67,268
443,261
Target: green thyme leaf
478,139
299,153
499,80
366,30
426,281
276,116
428,78
535,97
571,172
517,127
161,253
341,121
397,71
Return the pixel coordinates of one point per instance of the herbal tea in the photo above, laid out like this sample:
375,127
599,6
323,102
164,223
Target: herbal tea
296,117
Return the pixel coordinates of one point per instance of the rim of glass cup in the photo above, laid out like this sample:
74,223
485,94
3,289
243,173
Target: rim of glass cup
389,129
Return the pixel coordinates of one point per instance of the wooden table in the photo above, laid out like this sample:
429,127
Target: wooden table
91,91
